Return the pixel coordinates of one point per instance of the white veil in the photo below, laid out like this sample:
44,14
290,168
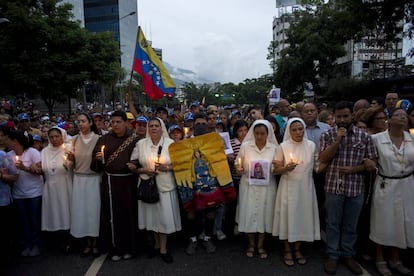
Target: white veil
271,138
287,136
163,127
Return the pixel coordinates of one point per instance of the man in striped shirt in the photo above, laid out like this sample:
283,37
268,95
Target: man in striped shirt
349,151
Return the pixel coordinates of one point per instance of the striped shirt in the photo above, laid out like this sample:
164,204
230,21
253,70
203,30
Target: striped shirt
356,146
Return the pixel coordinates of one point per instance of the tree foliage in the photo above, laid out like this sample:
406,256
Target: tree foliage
44,52
318,32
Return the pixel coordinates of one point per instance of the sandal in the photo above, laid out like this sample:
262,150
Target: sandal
250,252
86,252
300,259
383,268
288,260
262,253
398,266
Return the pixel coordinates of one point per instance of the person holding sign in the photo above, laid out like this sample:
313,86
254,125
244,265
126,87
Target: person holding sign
257,186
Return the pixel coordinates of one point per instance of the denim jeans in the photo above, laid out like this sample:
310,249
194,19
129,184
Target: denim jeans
342,215
30,210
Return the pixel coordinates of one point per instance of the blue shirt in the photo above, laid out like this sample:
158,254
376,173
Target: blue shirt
6,162
314,134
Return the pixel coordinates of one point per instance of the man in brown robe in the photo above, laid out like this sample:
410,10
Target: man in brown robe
112,152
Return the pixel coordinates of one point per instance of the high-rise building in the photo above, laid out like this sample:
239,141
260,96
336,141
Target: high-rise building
117,16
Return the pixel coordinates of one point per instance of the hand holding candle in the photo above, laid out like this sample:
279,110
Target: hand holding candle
103,154
186,131
18,163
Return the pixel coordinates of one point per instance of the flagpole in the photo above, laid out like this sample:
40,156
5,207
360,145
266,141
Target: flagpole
132,69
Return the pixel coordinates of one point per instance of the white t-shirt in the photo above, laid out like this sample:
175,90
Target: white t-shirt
28,185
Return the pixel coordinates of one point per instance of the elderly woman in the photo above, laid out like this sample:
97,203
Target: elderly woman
57,190
392,215
257,191
27,190
375,119
163,217
296,210
86,200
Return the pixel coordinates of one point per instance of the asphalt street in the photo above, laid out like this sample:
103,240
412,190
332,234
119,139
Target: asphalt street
229,259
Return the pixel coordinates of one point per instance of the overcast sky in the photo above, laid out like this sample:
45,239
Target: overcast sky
221,40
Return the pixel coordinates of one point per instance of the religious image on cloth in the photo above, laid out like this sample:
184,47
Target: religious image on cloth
202,172
259,172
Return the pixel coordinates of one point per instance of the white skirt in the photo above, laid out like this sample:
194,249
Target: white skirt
161,217
392,213
86,206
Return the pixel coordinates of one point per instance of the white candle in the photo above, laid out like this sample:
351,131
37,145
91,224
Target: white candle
186,131
103,154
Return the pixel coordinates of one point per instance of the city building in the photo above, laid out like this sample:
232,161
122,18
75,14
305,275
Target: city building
363,58
117,16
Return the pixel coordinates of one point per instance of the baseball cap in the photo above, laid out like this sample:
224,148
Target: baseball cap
174,127
162,108
24,116
130,116
195,103
37,138
149,109
97,114
189,116
142,119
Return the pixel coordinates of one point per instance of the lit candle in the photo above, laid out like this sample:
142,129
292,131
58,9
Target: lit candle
103,154
17,158
412,131
186,131
239,162
291,157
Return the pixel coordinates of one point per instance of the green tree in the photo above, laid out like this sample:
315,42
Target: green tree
44,52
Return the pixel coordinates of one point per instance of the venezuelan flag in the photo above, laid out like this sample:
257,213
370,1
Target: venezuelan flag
156,79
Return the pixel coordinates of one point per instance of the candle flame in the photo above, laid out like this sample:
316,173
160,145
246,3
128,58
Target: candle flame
17,158
102,148
412,131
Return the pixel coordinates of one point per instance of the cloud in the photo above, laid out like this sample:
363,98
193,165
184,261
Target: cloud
223,41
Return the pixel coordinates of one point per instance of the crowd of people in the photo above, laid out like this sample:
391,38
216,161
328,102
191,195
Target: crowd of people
298,169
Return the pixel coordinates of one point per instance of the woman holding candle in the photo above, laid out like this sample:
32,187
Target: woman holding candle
257,196
86,200
28,189
392,212
163,217
57,190
296,217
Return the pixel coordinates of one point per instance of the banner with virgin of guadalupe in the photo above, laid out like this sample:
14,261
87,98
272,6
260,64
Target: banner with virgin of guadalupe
202,172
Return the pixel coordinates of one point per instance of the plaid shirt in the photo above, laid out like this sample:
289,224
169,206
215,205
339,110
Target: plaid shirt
356,146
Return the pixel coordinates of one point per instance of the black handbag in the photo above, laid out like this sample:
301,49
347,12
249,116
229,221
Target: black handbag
148,191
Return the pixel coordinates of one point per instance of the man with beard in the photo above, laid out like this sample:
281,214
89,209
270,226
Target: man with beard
348,151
